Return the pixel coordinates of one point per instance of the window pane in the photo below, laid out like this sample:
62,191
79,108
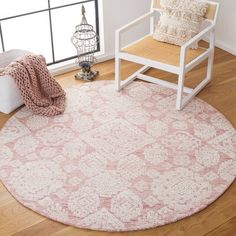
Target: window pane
64,27
57,3
16,7
30,33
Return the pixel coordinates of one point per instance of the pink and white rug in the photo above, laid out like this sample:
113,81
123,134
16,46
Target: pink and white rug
119,161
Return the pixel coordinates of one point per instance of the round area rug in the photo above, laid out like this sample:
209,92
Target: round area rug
119,161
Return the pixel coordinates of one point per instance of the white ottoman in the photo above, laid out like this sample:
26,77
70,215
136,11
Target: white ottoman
10,97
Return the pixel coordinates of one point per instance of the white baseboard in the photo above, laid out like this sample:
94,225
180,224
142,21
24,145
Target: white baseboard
226,47
73,66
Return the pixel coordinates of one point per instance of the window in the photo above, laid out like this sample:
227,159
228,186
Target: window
45,26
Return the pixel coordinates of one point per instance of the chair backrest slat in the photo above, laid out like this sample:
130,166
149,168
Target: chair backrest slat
211,12
210,15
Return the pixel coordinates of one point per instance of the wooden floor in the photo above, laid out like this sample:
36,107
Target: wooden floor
219,219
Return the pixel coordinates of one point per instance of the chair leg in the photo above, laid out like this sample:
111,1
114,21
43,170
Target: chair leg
211,57
117,74
181,103
210,66
180,90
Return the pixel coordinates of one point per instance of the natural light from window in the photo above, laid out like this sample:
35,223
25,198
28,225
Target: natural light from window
32,32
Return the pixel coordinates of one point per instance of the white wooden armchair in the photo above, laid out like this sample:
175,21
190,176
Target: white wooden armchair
167,57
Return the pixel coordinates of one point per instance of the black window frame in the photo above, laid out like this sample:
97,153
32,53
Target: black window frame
49,9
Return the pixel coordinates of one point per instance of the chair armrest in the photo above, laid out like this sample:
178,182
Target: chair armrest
128,26
197,37
135,22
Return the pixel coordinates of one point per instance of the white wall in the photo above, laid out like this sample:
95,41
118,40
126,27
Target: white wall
117,13
226,26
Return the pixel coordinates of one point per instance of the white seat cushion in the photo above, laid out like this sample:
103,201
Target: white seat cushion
10,97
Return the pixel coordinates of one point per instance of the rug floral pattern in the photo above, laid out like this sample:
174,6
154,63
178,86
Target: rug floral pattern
119,161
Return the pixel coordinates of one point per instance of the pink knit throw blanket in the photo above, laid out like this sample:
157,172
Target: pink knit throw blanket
39,90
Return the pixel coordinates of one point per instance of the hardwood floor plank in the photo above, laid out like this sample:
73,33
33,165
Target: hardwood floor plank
46,227
10,211
226,229
5,198
19,222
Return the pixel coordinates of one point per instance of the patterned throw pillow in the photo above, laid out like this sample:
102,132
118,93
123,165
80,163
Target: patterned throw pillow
180,20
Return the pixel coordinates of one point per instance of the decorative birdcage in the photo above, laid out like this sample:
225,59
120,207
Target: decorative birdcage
86,43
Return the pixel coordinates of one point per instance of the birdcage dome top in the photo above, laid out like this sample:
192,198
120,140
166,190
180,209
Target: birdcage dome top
83,28
84,32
